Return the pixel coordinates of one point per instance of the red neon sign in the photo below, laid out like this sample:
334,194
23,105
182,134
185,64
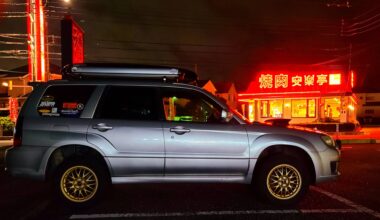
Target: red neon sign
13,109
37,55
77,44
71,42
322,82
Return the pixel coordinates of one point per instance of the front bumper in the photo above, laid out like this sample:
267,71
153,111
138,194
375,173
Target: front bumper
328,168
328,178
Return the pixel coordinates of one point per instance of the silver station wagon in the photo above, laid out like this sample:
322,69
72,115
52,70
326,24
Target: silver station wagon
106,124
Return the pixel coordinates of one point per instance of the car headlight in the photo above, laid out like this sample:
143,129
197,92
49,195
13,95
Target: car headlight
328,141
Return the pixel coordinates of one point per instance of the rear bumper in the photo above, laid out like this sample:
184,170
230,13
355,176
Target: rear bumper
25,162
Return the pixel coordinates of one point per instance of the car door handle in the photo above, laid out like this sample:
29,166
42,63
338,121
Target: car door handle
102,127
179,130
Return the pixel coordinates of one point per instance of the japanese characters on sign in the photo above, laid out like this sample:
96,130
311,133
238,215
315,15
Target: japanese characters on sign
269,81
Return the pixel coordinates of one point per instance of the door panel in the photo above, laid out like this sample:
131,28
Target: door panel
197,142
206,149
127,117
139,145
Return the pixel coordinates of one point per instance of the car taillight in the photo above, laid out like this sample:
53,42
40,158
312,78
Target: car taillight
17,137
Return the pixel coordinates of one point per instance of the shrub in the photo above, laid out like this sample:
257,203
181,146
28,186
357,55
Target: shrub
7,125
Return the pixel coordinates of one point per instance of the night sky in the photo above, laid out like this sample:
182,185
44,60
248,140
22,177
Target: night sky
223,40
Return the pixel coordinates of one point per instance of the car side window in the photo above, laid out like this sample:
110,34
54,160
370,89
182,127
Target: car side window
64,100
128,103
189,106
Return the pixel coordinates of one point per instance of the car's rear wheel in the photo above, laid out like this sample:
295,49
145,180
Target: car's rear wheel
79,183
282,180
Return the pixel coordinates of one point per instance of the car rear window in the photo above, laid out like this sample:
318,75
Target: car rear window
64,101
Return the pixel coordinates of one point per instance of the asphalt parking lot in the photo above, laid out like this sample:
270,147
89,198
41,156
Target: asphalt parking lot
353,196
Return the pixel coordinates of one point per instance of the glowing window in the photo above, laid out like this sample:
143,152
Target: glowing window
272,108
332,108
264,109
251,113
276,108
335,79
299,108
311,108
303,108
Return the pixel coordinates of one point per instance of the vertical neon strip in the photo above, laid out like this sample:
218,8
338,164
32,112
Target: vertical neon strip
35,47
35,44
42,73
29,31
38,40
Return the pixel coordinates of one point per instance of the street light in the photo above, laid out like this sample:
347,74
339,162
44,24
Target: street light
10,85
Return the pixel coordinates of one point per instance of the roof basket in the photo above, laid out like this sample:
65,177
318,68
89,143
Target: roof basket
128,71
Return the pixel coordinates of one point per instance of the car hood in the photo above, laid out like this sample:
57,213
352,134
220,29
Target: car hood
262,128
287,134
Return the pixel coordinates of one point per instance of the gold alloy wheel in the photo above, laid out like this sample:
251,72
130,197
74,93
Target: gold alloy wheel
79,184
284,181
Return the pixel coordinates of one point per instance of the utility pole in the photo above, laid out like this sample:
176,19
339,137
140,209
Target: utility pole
344,5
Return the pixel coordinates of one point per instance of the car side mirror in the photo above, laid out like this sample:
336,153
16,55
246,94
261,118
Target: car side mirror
226,115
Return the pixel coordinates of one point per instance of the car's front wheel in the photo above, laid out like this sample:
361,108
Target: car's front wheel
282,180
79,182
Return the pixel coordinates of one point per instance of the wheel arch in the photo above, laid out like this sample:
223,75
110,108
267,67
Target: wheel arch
69,152
286,150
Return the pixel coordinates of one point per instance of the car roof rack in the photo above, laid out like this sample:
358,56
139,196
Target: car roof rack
127,71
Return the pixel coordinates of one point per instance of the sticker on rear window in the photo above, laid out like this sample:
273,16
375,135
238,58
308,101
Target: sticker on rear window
47,106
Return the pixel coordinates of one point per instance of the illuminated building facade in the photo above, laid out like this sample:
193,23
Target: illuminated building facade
304,96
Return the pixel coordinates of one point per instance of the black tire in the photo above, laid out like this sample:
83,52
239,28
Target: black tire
272,190
80,182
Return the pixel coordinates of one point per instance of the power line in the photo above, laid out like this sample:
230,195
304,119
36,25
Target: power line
366,12
13,12
13,16
166,43
14,57
13,35
11,71
169,51
12,43
21,52
13,4
364,25
362,32
274,28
